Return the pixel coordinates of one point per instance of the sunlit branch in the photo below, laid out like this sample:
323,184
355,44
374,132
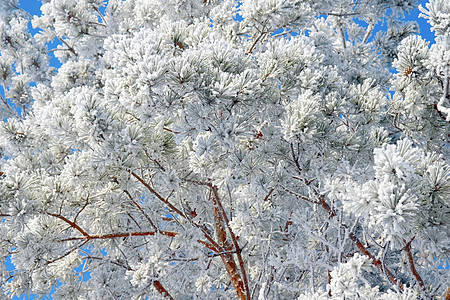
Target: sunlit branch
101,16
368,33
155,193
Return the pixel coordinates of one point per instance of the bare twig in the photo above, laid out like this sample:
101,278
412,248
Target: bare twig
299,169
268,195
368,33
299,196
282,33
155,193
87,257
376,262
79,212
341,14
67,45
67,253
255,42
341,31
120,235
100,15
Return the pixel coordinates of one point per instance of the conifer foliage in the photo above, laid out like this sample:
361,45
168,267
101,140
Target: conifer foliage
190,149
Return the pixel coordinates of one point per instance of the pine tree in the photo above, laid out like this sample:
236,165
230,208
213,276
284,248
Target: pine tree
222,149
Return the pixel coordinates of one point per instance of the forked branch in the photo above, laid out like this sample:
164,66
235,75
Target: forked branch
224,245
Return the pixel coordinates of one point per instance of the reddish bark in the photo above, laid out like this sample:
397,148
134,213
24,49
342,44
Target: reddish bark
161,289
407,249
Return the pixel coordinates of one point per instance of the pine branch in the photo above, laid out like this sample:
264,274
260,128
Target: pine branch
376,262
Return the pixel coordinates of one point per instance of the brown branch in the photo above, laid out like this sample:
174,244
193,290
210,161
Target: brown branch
407,249
268,195
141,210
341,31
70,48
288,222
234,240
79,212
255,42
126,234
299,169
157,284
160,288
120,235
331,212
173,208
110,261
299,196
446,295
329,281
240,285
170,130
72,224
227,258
154,160
209,246
376,262
67,253
134,220
155,193
87,236
221,219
